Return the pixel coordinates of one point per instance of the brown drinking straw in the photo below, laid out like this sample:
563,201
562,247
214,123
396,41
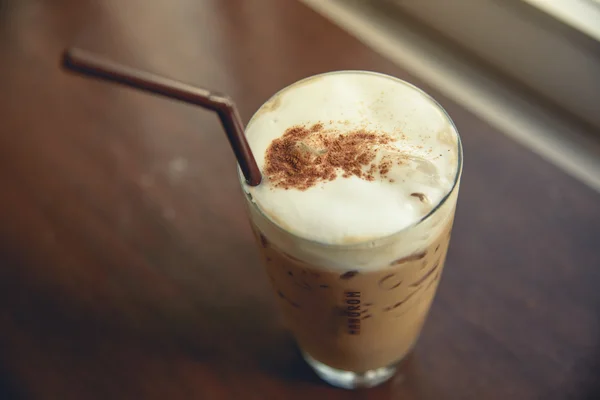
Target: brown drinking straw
89,64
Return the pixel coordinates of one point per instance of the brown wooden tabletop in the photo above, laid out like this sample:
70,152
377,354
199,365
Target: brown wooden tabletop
127,266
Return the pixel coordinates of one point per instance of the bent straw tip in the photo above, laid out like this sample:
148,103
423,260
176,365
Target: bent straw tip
67,54
254,182
65,57
68,58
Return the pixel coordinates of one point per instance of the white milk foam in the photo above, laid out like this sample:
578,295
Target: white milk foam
348,211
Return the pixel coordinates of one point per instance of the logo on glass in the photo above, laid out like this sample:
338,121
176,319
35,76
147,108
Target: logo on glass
352,308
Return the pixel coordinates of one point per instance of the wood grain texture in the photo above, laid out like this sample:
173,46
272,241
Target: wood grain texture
127,265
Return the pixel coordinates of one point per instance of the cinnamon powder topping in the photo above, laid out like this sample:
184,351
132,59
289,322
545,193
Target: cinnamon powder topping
305,156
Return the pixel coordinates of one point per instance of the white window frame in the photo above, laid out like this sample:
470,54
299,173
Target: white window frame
531,41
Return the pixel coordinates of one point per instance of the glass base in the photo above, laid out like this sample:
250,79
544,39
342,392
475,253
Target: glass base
347,379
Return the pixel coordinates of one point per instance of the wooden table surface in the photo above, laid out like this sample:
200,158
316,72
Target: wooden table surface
127,266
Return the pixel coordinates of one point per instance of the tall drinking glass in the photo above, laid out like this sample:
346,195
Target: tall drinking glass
353,217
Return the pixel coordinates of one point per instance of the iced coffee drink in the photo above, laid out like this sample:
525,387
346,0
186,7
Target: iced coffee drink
353,216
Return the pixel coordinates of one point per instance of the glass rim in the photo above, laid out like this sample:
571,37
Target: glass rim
421,220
